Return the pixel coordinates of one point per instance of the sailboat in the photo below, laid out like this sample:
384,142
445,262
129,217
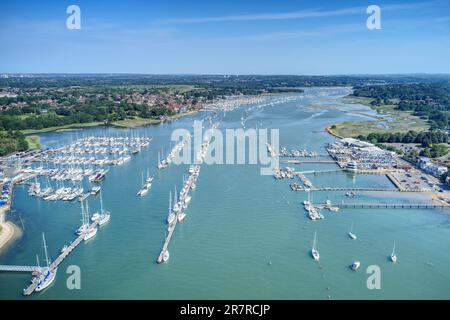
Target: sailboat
166,256
355,265
48,275
84,224
103,217
176,205
171,217
351,234
314,252
145,187
91,230
393,256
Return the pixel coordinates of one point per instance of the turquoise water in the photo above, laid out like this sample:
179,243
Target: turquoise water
236,223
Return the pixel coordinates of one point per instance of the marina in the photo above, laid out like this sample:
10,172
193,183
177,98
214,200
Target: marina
177,213
252,224
164,163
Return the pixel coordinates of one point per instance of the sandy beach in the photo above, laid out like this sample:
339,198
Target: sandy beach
7,230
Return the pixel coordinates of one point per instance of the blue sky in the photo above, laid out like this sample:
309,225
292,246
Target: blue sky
225,37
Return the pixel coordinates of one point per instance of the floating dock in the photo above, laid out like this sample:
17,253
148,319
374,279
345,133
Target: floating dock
308,161
390,206
37,271
9,268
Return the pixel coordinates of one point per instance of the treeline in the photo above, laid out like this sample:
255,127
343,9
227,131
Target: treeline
11,141
429,101
255,81
17,119
424,138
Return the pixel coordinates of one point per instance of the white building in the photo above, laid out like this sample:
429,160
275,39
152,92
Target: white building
429,167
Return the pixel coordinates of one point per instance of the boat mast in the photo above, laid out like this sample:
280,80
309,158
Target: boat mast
170,201
45,249
82,213
393,249
175,196
101,203
87,212
314,242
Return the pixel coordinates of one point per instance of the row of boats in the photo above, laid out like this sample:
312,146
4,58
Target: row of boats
146,185
164,163
61,192
178,205
355,264
106,145
97,161
284,152
89,223
290,173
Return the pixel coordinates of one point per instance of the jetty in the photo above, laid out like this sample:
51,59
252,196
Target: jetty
292,161
38,271
391,206
11,268
194,172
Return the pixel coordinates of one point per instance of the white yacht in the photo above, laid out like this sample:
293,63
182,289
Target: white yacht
84,224
355,265
351,234
176,204
95,190
314,252
104,218
91,232
48,275
145,187
393,256
181,216
101,218
166,256
171,218
352,166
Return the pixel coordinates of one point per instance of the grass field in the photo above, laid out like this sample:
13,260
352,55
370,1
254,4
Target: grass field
127,123
63,128
399,121
33,142
135,122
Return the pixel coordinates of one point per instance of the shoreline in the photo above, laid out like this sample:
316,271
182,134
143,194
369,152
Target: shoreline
116,124
330,132
9,231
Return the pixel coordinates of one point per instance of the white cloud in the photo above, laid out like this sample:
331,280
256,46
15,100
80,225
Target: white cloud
309,13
